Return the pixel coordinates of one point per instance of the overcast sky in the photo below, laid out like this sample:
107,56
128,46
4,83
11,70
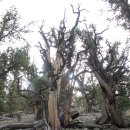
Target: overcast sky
52,12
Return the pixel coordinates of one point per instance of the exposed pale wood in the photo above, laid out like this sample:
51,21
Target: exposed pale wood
53,113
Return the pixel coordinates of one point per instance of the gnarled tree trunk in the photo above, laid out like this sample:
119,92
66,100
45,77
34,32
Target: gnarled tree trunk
52,110
111,111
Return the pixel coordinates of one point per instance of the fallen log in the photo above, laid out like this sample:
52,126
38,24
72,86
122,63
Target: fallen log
36,124
88,126
92,126
17,126
80,125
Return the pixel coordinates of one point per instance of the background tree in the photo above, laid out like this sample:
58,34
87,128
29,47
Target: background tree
122,11
14,63
10,29
20,61
109,68
90,93
10,32
40,86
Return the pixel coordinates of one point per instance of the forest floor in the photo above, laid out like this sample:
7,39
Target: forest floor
85,118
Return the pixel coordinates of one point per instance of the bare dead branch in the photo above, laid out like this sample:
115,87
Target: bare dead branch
30,91
44,36
101,31
71,37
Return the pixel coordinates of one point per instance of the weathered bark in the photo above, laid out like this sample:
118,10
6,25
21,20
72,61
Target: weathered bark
52,111
68,105
69,102
57,67
104,85
111,112
110,104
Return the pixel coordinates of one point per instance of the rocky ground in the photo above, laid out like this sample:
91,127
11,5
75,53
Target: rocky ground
85,118
89,117
25,118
